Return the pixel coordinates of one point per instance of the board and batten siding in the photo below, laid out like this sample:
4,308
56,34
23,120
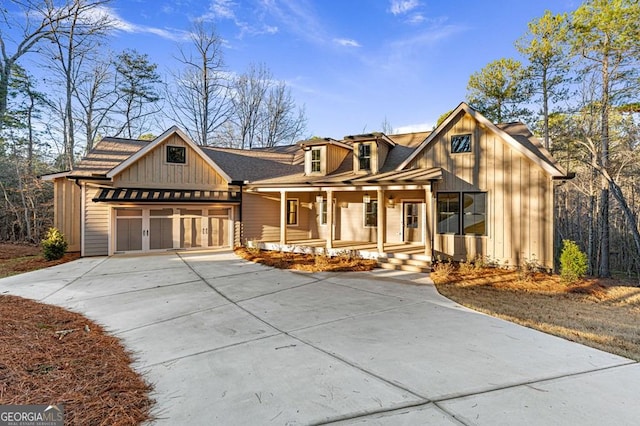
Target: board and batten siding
96,225
519,196
335,157
152,171
66,215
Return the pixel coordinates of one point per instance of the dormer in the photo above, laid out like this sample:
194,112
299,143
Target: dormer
369,151
323,155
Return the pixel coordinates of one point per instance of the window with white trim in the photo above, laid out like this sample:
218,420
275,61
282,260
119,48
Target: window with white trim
371,214
292,211
316,162
323,212
176,154
364,156
460,144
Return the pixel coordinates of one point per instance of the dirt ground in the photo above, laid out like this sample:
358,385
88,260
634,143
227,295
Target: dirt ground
19,258
52,356
604,314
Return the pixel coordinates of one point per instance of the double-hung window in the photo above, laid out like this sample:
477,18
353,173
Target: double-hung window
364,156
371,213
292,211
316,155
323,212
462,213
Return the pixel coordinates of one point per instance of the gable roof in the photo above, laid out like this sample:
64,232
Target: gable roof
514,136
158,141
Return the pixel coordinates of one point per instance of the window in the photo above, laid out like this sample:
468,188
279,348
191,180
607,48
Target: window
292,212
474,219
176,154
411,214
323,212
364,156
470,215
448,213
315,160
460,143
371,213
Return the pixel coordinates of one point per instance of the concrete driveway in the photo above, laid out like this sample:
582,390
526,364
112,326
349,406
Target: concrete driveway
229,342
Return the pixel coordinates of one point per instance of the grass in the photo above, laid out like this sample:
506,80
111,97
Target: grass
604,314
49,355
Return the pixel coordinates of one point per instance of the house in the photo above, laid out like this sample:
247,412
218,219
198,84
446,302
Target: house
468,188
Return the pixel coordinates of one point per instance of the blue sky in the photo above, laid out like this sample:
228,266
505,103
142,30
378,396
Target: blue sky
350,62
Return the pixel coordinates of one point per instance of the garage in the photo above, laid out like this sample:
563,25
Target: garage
146,229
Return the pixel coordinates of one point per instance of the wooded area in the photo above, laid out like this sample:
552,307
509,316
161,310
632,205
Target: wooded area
576,84
579,89
88,91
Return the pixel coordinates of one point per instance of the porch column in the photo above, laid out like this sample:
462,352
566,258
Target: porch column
382,221
329,243
428,222
283,217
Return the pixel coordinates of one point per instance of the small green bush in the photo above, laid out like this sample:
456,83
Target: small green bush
54,245
573,262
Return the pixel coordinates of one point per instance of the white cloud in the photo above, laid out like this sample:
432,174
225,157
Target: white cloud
346,42
129,27
223,9
400,7
412,128
416,18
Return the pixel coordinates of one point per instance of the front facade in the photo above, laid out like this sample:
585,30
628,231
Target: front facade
469,188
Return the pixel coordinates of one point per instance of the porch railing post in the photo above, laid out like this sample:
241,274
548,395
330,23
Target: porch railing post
330,207
283,217
382,220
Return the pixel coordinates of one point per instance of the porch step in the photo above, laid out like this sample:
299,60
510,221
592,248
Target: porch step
405,262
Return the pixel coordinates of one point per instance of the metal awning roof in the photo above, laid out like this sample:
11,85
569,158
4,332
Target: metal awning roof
150,195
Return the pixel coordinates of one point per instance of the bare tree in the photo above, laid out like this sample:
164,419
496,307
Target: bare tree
97,98
264,112
36,20
282,122
249,93
199,99
74,43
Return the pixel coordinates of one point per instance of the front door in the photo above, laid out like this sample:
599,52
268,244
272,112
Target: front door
412,221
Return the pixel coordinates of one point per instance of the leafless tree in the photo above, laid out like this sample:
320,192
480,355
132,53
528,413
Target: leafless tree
74,44
199,97
282,121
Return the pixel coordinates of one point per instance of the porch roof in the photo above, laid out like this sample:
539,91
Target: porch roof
402,177
151,195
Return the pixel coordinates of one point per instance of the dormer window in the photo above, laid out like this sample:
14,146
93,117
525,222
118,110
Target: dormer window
364,156
316,155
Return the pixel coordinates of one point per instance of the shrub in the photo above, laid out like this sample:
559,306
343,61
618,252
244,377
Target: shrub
528,268
573,262
54,245
441,271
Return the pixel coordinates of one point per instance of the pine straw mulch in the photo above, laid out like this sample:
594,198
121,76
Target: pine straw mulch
19,258
86,370
306,262
601,313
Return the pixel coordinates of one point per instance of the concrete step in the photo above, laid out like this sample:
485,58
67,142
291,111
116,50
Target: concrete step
422,257
409,261
403,267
